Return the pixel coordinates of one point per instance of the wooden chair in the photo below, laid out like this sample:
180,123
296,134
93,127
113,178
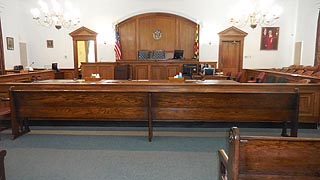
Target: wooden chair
269,158
307,73
228,74
270,79
317,74
304,81
259,79
238,77
299,71
282,80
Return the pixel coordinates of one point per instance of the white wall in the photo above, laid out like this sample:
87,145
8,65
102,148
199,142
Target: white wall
256,58
101,15
306,30
11,28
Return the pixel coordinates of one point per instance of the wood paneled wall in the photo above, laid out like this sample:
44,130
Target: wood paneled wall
136,33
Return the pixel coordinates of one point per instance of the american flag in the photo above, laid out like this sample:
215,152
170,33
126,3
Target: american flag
117,47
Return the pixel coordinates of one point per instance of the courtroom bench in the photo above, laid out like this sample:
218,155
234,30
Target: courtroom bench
155,103
289,77
269,158
2,169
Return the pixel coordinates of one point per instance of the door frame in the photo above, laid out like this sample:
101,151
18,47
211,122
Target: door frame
232,34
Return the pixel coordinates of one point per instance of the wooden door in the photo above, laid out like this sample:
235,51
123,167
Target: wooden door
230,60
231,50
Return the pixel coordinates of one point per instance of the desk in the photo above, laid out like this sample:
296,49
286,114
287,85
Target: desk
217,76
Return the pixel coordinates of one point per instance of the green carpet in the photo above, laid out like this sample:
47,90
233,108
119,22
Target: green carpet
88,153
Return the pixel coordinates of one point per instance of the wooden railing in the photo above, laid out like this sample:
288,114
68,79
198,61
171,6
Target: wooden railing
151,104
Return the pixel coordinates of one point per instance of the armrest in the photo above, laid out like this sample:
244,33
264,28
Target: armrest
223,164
223,157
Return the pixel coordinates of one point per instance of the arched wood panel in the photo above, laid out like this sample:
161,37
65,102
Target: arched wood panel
136,33
186,33
127,33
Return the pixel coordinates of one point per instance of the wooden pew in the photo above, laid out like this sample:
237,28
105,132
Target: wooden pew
146,105
2,171
269,158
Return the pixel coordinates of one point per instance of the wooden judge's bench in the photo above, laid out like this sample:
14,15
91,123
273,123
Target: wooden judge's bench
139,69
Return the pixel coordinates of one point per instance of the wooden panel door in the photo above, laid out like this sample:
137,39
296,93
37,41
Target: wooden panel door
231,50
230,60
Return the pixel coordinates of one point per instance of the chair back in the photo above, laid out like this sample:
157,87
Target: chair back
282,80
158,54
143,54
238,76
260,78
270,79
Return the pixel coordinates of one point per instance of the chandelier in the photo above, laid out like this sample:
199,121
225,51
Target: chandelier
56,16
255,12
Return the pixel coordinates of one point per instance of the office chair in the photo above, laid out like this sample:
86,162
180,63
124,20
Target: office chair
259,79
282,80
143,54
158,54
270,79
228,74
238,77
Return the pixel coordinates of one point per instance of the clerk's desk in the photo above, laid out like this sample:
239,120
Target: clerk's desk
210,77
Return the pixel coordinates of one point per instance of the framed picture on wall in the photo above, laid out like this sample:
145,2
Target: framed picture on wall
269,38
49,43
10,43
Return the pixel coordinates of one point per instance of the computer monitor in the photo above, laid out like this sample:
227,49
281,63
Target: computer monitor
178,54
189,69
208,71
